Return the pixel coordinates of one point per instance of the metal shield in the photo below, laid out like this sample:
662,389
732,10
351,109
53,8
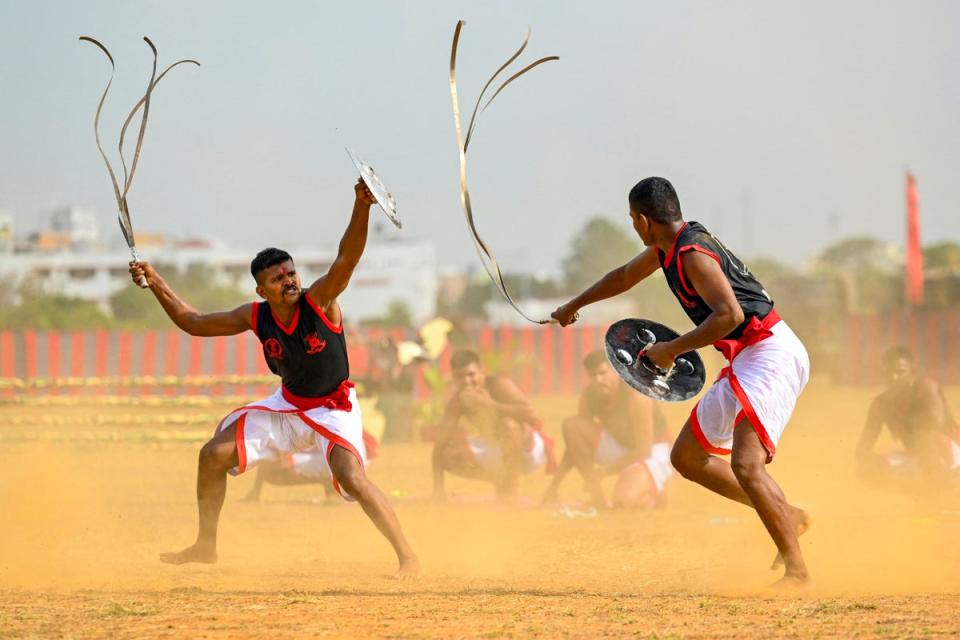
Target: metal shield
377,188
626,340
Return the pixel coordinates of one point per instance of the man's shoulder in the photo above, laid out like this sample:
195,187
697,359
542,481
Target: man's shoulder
694,229
498,382
625,396
591,399
697,234
929,391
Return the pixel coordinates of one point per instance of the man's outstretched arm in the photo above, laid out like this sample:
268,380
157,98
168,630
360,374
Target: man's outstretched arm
448,428
184,315
326,288
614,283
931,407
871,430
511,402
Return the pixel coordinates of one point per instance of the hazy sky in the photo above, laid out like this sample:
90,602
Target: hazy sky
769,117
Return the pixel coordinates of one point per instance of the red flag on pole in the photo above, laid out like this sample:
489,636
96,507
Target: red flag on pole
914,252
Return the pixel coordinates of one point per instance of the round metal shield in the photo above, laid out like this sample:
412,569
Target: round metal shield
377,188
625,342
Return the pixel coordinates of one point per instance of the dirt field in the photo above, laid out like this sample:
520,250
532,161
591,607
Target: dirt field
86,508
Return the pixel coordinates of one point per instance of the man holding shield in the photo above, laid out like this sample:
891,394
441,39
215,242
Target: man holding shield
316,406
745,412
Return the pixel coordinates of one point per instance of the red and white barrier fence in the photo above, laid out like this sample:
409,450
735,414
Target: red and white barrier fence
168,362
542,360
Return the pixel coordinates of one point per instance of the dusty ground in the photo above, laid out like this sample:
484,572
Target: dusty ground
86,508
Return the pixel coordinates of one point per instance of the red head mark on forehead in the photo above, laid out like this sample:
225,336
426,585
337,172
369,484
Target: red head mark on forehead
283,270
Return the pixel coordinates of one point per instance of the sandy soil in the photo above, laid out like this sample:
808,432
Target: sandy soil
84,511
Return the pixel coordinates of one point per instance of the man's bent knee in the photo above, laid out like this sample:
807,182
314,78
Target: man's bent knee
217,455
747,471
354,482
687,458
681,463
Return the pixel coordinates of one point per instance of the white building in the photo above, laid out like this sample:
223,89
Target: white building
391,271
6,233
78,227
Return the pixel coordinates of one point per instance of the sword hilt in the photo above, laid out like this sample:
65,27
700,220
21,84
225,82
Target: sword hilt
576,316
142,280
680,365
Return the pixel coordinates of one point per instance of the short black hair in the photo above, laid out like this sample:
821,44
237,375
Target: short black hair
267,258
462,358
656,198
893,354
594,359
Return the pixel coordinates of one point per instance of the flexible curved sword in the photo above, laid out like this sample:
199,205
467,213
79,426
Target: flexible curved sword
487,258
126,227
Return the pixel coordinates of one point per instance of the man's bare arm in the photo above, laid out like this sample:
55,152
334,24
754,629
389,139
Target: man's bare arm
871,429
326,288
585,405
449,425
184,315
712,285
614,283
932,405
511,402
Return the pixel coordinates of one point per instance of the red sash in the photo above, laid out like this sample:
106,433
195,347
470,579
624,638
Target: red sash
756,331
338,399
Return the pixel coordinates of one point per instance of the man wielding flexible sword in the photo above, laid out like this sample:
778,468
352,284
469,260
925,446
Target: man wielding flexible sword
314,408
745,412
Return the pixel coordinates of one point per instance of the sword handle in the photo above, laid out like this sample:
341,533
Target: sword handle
142,281
576,317
648,338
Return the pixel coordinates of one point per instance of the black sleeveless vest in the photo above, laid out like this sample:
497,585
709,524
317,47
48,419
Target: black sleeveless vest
309,355
751,295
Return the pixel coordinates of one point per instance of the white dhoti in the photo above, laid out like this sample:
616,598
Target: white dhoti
488,454
273,428
762,384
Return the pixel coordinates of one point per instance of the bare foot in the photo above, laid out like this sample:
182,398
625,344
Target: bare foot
409,569
791,582
194,553
801,520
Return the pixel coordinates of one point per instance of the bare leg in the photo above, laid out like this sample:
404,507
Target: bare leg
514,438
451,457
254,495
280,474
566,466
749,461
577,447
439,469
580,436
744,482
349,473
696,465
217,456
